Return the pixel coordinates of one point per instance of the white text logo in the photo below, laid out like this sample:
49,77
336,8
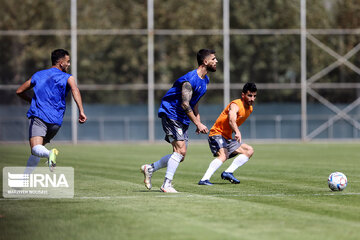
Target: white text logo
36,180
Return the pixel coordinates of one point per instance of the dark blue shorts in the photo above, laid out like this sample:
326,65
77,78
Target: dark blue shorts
216,142
174,130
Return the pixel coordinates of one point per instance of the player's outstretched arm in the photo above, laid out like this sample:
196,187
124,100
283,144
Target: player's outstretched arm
77,97
233,110
22,91
186,93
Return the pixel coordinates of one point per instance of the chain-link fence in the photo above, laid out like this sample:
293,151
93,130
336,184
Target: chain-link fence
303,55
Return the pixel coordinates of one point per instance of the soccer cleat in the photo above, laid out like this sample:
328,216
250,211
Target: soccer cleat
168,188
205,182
230,177
52,159
147,170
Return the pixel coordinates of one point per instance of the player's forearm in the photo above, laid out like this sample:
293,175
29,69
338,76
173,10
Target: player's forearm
22,91
77,97
198,117
233,110
25,96
194,118
234,126
196,112
190,113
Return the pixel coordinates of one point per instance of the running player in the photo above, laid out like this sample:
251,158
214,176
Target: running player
221,143
47,108
178,108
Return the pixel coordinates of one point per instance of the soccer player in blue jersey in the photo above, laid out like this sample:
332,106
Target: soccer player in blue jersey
48,104
178,108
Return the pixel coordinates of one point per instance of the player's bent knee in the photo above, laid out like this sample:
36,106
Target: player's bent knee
250,152
182,152
222,157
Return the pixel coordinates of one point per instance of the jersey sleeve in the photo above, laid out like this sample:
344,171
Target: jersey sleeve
33,80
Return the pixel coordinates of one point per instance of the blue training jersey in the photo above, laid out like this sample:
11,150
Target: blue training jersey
50,90
171,102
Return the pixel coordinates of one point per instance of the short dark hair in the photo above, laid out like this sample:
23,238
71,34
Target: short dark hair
58,54
202,54
249,86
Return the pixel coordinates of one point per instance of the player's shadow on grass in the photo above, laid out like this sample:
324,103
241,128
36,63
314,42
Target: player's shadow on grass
149,191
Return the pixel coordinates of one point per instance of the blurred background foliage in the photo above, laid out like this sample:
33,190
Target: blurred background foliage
122,59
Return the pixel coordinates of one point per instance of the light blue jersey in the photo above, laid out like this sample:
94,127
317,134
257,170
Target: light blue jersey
50,90
171,102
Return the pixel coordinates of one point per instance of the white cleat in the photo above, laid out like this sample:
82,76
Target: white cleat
147,170
168,188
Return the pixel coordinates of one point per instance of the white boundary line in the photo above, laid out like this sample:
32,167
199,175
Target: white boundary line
179,195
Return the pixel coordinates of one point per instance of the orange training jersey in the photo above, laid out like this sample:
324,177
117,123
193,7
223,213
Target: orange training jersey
222,126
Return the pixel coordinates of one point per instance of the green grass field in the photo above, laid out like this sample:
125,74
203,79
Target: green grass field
283,195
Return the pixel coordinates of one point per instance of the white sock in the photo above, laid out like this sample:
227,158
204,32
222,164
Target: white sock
40,151
161,163
238,162
172,165
31,164
214,165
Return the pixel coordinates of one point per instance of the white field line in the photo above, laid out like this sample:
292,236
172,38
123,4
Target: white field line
182,195
175,195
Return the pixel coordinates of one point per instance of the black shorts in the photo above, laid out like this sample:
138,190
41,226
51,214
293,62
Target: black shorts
174,130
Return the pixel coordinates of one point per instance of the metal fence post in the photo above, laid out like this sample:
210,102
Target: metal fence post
74,113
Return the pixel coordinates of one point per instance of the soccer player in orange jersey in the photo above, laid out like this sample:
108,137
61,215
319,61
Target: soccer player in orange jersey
221,142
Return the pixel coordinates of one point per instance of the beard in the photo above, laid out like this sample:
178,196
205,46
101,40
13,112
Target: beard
250,103
211,68
64,68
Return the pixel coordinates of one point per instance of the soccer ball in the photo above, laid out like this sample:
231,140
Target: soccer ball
337,181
